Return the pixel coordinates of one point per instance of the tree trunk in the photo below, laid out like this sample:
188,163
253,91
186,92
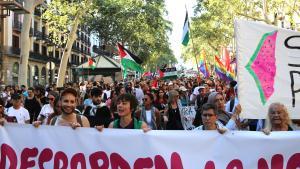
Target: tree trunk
68,48
25,43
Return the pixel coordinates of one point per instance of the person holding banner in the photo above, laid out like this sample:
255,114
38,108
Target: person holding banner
210,119
278,119
127,104
69,117
230,121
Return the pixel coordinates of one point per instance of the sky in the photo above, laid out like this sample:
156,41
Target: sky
176,14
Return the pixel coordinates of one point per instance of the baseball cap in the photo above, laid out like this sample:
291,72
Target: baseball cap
182,88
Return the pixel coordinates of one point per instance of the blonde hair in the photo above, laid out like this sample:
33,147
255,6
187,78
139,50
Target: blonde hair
287,120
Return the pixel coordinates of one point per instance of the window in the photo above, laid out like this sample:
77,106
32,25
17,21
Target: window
15,42
36,48
57,54
44,50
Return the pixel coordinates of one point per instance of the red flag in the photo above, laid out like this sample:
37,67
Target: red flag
160,73
147,74
154,83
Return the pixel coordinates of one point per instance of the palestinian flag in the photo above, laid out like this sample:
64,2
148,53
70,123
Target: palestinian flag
129,60
92,63
185,35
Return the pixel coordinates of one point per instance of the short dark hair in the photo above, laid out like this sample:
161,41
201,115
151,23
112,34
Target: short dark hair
16,96
96,92
150,95
208,106
31,88
68,90
129,97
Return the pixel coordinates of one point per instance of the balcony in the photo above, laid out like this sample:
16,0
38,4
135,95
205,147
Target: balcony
76,49
16,6
17,25
38,35
9,50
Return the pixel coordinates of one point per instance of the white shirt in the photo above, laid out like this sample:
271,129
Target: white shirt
107,92
218,123
139,94
148,116
227,106
21,114
46,111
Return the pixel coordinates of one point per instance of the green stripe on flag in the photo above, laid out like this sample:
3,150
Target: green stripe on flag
186,39
130,64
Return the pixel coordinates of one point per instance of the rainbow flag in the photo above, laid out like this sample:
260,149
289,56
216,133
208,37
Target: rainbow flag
202,65
221,71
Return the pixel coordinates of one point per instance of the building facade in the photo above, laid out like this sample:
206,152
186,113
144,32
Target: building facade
44,57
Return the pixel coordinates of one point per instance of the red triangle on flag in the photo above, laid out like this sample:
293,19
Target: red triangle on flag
122,53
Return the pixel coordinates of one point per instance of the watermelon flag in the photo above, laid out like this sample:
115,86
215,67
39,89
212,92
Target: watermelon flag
221,71
262,60
129,60
92,63
203,66
185,35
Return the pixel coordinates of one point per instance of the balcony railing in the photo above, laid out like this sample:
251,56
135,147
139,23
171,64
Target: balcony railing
17,25
75,48
38,35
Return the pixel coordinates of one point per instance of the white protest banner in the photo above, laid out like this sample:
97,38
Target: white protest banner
187,114
268,60
23,146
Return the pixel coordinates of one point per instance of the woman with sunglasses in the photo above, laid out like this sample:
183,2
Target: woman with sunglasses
47,109
148,113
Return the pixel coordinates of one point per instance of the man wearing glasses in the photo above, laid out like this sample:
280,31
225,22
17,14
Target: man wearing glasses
210,119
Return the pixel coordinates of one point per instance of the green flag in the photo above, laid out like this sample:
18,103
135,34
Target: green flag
185,35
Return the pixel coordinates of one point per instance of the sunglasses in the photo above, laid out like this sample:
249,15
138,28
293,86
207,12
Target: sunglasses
145,99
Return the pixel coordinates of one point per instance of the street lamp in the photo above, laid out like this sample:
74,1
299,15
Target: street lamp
50,65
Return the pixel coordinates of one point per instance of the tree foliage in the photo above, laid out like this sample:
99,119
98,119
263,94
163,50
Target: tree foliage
212,27
59,16
138,24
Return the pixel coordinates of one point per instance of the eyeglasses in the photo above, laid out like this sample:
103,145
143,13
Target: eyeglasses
145,99
207,115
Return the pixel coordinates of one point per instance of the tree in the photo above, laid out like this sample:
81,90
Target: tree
137,24
212,27
63,18
29,5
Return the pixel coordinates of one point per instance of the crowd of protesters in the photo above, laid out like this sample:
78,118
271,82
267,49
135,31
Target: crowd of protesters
137,104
